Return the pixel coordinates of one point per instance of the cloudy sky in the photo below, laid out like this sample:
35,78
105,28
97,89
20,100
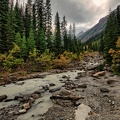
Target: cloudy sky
84,13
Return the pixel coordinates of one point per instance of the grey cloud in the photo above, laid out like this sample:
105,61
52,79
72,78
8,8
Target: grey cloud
74,11
82,11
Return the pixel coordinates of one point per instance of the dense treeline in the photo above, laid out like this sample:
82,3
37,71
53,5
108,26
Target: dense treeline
30,26
26,32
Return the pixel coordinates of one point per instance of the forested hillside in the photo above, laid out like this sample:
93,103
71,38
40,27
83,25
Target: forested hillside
108,42
28,40
27,34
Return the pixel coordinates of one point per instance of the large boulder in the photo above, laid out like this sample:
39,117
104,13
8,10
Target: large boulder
65,98
82,112
102,73
3,97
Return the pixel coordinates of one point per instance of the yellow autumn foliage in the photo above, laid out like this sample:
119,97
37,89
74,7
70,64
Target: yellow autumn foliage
62,62
116,57
118,43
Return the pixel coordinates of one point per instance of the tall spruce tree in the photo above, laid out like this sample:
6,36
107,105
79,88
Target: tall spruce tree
27,21
40,41
48,24
118,19
64,34
70,36
19,19
40,13
34,19
3,24
57,39
10,27
31,40
111,35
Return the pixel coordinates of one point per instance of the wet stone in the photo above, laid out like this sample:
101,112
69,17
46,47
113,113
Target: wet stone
3,97
104,90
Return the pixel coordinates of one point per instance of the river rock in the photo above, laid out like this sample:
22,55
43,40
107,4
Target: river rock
102,73
111,81
35,96
64,76
3,97
26,106
23,111
82,86
82,112
65,98
55,89
104,90
8,100
22,83
93,66
37,92
31,100
45,87
51,84
81,74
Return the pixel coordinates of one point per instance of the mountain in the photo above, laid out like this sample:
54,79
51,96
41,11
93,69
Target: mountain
80,33
94,31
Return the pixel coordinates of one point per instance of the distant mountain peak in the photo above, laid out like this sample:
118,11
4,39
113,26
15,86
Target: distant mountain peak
95,30
80,33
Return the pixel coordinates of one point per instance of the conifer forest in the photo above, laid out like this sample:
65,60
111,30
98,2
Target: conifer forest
55,69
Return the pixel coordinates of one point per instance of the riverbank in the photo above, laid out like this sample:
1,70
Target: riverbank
63,95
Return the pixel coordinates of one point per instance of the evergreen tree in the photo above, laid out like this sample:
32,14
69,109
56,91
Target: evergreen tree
111,35
34,19
57,39
40,13
18,39
64,34
41,43
31,41
70,36
48,24
10,28
101,46
19,19
27,21
3,24
118,19
23,48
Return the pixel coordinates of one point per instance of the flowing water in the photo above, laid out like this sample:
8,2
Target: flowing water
42,104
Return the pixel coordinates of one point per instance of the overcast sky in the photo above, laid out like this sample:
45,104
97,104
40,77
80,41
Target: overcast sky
84,13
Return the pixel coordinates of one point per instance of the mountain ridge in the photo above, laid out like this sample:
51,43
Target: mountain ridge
94,31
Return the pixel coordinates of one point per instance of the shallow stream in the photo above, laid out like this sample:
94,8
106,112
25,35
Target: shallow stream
42,104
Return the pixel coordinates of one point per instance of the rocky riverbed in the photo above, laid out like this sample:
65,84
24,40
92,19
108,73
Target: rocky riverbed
82,94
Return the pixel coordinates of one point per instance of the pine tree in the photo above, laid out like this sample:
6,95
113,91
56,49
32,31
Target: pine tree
31,41
111,35
118,19
23,48
41,43
64,34
34,19
19,19
57,40
27,21
70,36
101,46
40,13
11,28
3,24
18,39
48,24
